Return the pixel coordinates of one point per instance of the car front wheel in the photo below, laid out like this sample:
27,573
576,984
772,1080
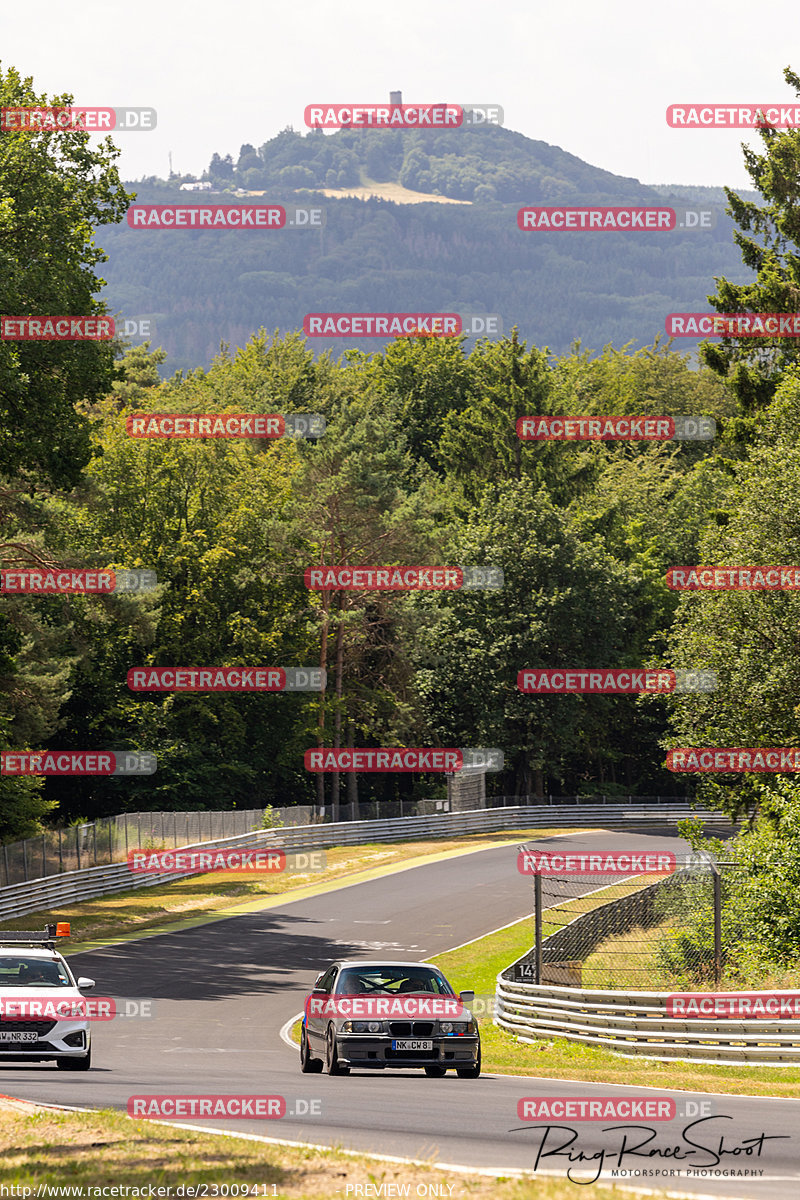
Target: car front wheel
332,1064
75,1064
470,1072
308,1065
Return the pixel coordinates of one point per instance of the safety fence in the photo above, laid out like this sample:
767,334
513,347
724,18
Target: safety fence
668,932
19,899
108,839
610,931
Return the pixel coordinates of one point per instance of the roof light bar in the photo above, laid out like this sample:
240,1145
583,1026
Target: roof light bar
36,937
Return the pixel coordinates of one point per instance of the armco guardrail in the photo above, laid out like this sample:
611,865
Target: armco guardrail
107,840
636,1024
490,819
35,895
630,1023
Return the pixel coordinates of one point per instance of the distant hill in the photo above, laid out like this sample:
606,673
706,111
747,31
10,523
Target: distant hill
203,287
472,163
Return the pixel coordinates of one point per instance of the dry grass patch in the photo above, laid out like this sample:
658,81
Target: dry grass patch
39,1147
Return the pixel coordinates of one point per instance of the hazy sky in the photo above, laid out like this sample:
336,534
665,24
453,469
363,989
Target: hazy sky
593,78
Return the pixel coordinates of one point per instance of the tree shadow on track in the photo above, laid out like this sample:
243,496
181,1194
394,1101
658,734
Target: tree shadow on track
258,952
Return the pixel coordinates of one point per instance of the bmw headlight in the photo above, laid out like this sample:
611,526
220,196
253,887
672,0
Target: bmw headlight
362,1027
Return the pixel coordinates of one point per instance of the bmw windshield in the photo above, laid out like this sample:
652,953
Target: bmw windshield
394,981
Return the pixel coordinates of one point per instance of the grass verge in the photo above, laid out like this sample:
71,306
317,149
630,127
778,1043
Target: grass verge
47,1149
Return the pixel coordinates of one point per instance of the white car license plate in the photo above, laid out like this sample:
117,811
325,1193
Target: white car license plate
21,1036
413,1044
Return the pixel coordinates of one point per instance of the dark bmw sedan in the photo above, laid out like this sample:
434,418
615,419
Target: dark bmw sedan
373,1015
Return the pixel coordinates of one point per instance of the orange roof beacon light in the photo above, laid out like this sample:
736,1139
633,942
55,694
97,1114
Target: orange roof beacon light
62,929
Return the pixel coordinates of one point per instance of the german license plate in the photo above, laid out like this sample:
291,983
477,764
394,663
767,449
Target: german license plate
412,1044
21,1036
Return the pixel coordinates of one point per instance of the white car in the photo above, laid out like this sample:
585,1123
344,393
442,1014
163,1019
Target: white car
37,993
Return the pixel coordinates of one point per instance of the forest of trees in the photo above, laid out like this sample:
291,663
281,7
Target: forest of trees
481,163
420,463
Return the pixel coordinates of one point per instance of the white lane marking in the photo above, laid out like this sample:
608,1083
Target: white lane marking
370,922
203,1050
654,1087
284,1033
500,928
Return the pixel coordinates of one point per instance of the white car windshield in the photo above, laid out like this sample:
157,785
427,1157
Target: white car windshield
393,980
21,970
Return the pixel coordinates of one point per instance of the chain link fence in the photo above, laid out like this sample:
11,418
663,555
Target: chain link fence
108,840
444,804
636,932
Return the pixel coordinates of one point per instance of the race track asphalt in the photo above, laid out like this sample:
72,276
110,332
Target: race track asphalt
222,991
